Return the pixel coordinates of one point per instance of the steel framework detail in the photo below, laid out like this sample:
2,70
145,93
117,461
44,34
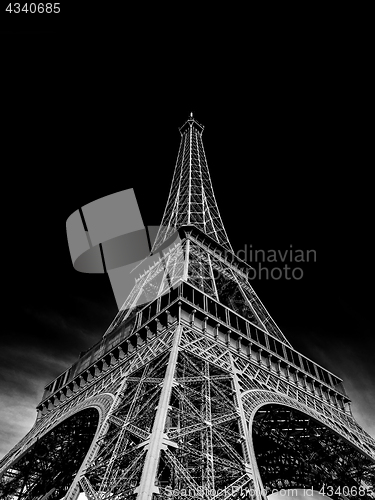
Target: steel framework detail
193,391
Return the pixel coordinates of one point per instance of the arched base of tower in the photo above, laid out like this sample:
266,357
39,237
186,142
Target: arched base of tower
47,469
293,450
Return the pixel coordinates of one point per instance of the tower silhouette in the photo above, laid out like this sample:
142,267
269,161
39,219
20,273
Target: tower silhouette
193,391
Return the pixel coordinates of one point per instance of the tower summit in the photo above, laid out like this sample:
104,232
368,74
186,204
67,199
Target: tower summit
193,390
191,198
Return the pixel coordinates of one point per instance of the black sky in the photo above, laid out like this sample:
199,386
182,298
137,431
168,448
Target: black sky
289,151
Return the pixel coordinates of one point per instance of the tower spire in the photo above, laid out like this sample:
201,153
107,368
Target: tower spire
191,198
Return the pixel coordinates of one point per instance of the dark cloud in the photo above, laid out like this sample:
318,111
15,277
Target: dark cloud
23,374
358,378
29,360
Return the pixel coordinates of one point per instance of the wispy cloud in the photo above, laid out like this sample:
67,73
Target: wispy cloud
24,374
28,362
17,416
351,365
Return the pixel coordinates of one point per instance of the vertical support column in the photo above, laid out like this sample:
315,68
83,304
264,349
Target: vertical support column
192,317
208,474
228,338
53,387
250,348
213,277
239,345
217,331
260,356
147,486
204,329
278,367
247,446
169,317
65,377
186,264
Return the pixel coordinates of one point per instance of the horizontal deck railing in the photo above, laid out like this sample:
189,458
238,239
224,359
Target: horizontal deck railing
216,313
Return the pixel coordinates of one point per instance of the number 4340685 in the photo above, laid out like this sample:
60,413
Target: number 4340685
40,8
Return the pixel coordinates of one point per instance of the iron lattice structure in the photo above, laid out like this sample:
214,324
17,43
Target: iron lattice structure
193,390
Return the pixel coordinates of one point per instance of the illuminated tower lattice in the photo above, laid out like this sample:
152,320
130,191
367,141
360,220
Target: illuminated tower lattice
193,389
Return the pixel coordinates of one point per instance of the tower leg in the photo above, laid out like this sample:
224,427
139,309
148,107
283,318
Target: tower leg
147,486
73,493
251,466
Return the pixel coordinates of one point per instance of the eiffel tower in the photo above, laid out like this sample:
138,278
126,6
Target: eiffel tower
193,391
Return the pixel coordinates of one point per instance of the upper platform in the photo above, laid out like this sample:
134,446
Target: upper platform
191,122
